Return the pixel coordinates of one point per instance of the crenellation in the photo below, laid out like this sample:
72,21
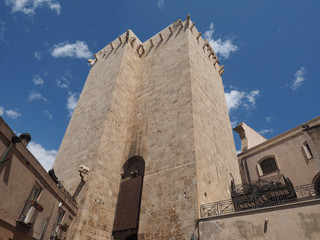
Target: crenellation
161,37
199,35
140,53
221,70
151,42
188,20
127,36
91,62
192,25
132,42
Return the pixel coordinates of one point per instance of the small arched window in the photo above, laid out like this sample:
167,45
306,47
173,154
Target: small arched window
268,165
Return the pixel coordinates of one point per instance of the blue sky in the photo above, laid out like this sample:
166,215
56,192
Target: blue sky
270,50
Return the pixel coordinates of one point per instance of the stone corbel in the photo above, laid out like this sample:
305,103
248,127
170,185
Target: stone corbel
180,22
170,29
120,39
112,47
84,171
151,43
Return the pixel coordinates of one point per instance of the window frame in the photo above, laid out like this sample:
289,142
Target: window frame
34,195
307,150
261,173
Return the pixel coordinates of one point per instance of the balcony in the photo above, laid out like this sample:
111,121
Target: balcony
259,194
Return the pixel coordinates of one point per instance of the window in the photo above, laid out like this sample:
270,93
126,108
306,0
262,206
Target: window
29,211
57,227
267,165
307,150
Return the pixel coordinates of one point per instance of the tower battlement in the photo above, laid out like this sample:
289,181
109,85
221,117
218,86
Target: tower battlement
162,37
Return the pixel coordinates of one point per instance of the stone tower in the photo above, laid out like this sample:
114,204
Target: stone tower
152,126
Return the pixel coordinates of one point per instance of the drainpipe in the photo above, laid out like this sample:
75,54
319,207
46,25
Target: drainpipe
23,138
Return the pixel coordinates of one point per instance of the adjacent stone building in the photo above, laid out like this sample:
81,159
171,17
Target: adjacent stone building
32,205
278,197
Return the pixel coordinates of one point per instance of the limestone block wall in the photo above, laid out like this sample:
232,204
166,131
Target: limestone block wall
215,152
163,135
300,221
95,137
148,99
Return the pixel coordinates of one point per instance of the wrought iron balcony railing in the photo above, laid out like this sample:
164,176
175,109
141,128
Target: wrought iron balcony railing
256,200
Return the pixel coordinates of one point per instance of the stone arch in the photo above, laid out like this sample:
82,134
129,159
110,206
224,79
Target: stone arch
316,183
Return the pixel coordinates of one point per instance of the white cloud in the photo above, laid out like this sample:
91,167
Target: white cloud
38,80
299,78
29,7
37,55
13,114
251,98
1,110
222,48
36,96
76,50
237,98
234,99
72,102
160,4
234,122
47,114
45,157
2,30
269,119
64,80
264,131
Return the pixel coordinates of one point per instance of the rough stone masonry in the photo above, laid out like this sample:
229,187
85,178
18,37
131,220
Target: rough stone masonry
162,101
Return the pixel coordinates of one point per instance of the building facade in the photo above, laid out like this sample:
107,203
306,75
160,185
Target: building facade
152,127
32,205
279,193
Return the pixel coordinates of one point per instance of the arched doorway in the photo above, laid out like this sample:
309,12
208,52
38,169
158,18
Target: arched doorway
126,221
132,237
317,185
